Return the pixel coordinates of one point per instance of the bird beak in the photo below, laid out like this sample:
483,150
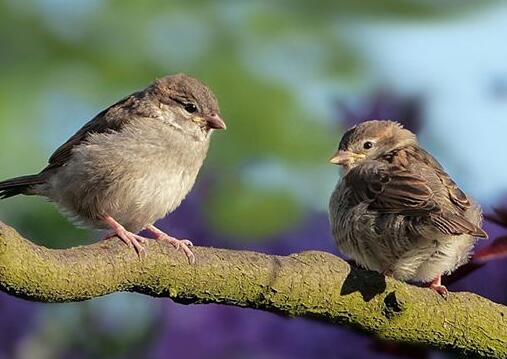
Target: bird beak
214,121
343,158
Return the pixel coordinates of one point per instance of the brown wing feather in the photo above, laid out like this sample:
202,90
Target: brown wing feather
449,223
102,122
392,189
456,195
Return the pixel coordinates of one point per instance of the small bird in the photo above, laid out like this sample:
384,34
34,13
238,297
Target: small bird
396,211
133,163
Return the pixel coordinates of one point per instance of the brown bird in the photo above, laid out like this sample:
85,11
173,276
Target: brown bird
133,163
396,210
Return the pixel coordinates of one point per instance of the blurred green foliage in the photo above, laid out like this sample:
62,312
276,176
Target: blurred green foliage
61,62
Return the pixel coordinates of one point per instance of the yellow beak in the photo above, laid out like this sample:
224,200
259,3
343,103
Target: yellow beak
343,158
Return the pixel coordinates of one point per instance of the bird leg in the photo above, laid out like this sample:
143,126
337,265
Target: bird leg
388,272
183,244
131,239
437,286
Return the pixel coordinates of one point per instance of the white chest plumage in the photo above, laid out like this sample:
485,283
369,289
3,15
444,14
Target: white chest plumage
134,179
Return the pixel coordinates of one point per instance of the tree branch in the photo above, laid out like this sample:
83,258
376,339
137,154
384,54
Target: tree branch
312,284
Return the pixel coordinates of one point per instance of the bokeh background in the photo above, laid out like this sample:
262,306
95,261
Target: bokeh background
290,78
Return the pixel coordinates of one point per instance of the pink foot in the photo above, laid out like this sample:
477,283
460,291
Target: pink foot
183,244
131,239
388,272
437,286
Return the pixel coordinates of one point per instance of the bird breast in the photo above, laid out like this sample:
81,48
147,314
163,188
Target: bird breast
136,175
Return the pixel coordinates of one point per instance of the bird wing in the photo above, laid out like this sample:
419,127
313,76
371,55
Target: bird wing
110,119
393,189
456,195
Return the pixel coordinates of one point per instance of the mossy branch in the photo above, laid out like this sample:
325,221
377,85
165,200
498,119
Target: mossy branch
313,284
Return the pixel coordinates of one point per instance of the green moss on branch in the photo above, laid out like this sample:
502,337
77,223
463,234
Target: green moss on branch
314,284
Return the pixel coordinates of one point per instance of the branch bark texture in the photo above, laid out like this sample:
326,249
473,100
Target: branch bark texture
313,284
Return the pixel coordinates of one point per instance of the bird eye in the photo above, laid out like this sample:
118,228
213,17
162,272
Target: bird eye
190,107
367,145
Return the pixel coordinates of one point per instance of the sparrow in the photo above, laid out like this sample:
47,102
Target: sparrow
396,211
133,163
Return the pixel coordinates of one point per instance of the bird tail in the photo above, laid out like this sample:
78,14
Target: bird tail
449,223
19,185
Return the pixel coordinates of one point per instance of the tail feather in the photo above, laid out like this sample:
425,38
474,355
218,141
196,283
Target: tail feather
19,185
449,223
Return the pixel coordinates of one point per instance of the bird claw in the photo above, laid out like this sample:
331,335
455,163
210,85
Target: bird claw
388,272
440,289
132,240
436,285
183,244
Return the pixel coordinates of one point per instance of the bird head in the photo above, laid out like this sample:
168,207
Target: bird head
193,104
371,140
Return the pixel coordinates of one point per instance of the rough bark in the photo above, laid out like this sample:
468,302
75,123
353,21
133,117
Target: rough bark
311,284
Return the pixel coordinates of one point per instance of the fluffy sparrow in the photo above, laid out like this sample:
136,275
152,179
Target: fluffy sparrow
396,210
133,163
